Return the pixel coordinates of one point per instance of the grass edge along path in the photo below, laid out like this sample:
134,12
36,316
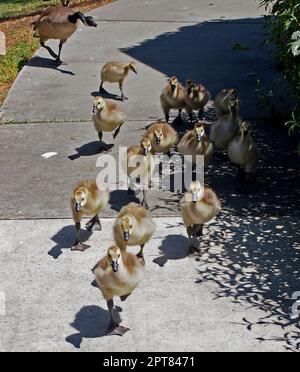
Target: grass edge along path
21,45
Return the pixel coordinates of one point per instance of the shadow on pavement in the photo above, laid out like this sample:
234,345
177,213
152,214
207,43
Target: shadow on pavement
47,63
174,247
65,238
104,94
90,322
120,198
91,149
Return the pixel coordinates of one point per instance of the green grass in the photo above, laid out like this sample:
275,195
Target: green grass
14,60
14,8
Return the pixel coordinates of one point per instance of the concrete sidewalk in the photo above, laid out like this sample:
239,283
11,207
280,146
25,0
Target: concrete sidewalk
237,294
190,40
51,304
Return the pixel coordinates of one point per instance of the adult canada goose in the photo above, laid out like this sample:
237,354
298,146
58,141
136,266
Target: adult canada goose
162,136
199,205
118,274
116,72
244,152
134,226
59,23
87,200
222,101
197,97
173,97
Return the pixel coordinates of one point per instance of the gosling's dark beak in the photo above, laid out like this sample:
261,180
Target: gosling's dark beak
78,207
134,70
199,137
158,141
126,236
94,109
146,151
115,266
194,198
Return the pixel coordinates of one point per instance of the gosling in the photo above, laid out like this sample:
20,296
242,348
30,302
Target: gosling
134,226
223,99
163,137
196,98
195,143
59,23
118,274
226,128
173,97
139,165
116,72
107,117
87,200
199,206
244,152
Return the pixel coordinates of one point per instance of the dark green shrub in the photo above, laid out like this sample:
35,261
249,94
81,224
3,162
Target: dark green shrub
284,23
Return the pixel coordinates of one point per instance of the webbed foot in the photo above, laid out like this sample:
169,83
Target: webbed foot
124,298
94,225
118,331
81,247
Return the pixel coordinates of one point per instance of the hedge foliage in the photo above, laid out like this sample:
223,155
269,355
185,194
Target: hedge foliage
284,23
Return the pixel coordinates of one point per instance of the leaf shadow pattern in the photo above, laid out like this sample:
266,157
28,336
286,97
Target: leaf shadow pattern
257,261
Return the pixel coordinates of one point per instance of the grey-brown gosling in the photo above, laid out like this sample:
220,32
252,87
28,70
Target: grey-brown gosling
59,23
199,205
140,166
173,97
134,226
195,142
244,152
223,99
118,274
226,128
197,97
163,137
116,72
107,117
87,200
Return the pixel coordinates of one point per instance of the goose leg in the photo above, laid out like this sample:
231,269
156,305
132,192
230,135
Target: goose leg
58,60
78,245
191,115
50,51
200,113
167,114
100,135
191,234
124,298
117,131
114,329
101,86
145,200
194,172
246,181
141,252
94,221
122,93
